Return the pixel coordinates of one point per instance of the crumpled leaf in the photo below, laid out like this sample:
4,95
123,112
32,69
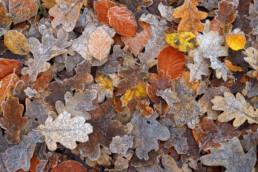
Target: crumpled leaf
101,9
209,133
183,41
5,20
236,41
171,62
236,108
231,156
78,104
69,165
170,165
7,67
66,13
49,48
99,44
182,104
147,132
120,145
22,10
65,130
122,20
209,48
190,17
252,57
12,120
16,42
18,156
136,43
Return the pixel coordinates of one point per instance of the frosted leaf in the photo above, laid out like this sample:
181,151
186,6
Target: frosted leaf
120,144
78,104
251,89
170,165
147,132
166,11
252,57
65,130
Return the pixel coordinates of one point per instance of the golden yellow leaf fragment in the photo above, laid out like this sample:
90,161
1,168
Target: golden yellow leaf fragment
183,41
236,41
105,82
16,42
232,67
48,3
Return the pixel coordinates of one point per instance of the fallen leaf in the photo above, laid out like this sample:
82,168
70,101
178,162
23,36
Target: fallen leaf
170,165
68,166
48,4
66,13
65,130
16,42
120,145
101,8
5,20
236,41
186,79
171,62
236,108
122,20
8,66
252,57
232,67
105,82
190,17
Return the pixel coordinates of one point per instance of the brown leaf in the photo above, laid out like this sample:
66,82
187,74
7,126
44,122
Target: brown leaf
42,81
68,166
5,19
22,10
122,20
171,61
190,17
8,66
12,120
101,9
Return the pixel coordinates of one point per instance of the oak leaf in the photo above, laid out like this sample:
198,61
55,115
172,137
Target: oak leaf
101,9
236,41
120,145
190,17
68,166
5,20
66,13
252,57
122,20
105,82
236,108
7,67
170,165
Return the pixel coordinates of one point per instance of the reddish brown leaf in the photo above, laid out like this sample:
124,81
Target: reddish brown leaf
5,19
69,166
101,8
42,81
122,20
12,120
171,61
8,66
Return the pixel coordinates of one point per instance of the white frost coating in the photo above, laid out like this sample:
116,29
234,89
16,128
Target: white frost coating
65,130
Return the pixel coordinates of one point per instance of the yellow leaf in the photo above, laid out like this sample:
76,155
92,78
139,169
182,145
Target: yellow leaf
16,42
127,97
140,90
236,41
183,41
105,82
231,67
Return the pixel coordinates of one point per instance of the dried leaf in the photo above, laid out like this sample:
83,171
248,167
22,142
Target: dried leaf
12,120
170,165
184,41
186,79
65,130
68,166
120,145
236,41
18,156
66,13
122,20
8,66
190,17
22,10
231,156
99,44
5,20
232,67
78,104
252,57
105,82
144,142
166,11
16,42
48,4
171,62
101,8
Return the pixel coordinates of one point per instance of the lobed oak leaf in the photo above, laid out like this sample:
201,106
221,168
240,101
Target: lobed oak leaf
65,130
99,44
66,13
42,81
171,62
7,67
236,41
209,133
16,42
144,143
18,156
170,165
184,41
190,17
120,145
122,20
22,10
101,9
252,57
251,89
236,108
68,166
186,79
166,11
231,156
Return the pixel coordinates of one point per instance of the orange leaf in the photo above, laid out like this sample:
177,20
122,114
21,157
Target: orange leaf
171,61
5,19
8,66
186,78
68,166
101,8
190,17
232,67
122,20
136,43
